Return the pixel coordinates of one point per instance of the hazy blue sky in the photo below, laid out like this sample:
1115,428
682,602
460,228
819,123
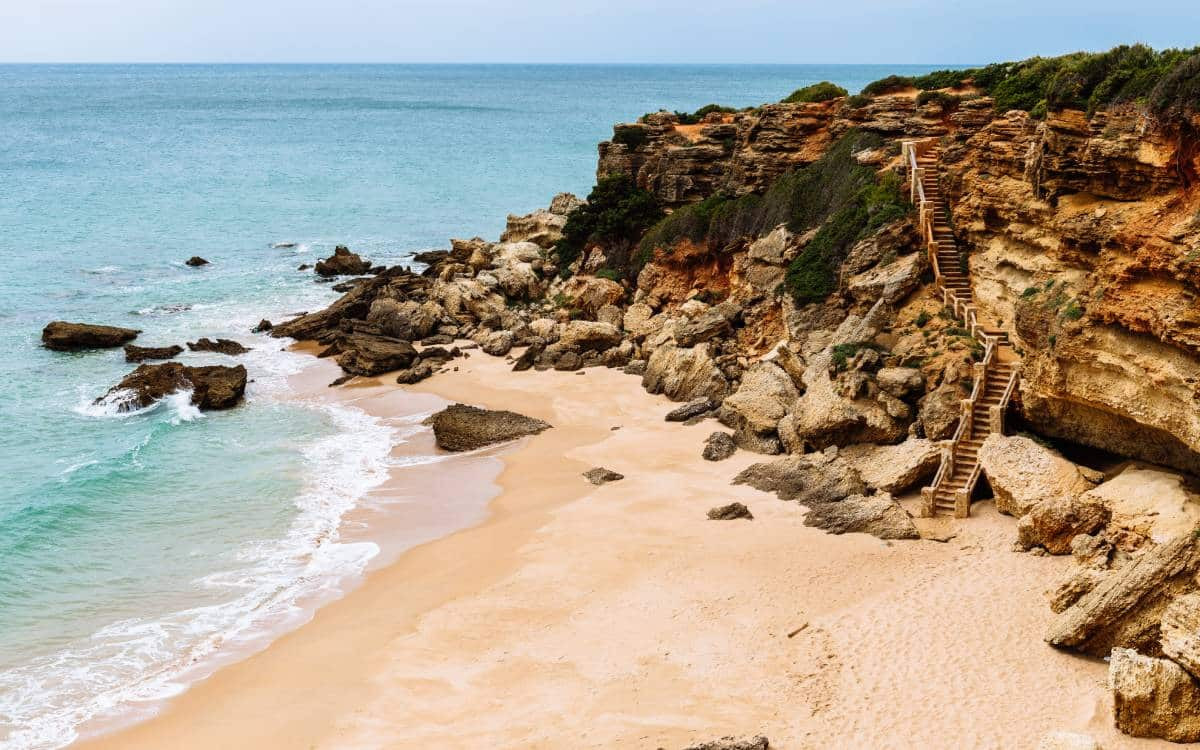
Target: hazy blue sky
774,31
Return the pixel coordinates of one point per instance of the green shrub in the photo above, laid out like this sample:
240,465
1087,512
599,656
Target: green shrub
818,92
616,214
632,136
608,273
858,100
1072,311
922,319
692,118
888,85
941,98
842,353
1030,291
942,79
1177,95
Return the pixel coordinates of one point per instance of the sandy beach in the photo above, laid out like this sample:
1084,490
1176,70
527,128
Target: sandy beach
577,616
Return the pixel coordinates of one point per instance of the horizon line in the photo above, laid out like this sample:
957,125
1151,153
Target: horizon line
466,63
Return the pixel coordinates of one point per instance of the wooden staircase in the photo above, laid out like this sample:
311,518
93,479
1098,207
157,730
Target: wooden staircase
995,375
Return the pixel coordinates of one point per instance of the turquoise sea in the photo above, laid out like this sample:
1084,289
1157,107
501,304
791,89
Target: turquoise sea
137,548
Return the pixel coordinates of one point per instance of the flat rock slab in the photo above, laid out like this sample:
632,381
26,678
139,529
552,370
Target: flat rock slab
220,346
463,428
134,353
601,475
69,337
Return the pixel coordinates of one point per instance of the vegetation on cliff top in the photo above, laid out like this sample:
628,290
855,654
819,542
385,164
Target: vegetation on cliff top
845,199
1081,80
818,92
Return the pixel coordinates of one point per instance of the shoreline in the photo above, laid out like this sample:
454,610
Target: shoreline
503,634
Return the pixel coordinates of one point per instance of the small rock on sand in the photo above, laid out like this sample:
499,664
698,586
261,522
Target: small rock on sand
730,512
719,446
733,743
601,475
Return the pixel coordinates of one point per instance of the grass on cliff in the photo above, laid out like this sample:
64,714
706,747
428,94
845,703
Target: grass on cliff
818,92
1166,81
844,198
616,214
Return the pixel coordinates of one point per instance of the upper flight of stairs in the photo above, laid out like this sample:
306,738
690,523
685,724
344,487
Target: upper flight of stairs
995,375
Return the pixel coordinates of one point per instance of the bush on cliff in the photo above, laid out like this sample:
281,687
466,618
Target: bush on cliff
616,214
818,92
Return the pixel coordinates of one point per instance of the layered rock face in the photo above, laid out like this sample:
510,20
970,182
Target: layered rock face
1085,244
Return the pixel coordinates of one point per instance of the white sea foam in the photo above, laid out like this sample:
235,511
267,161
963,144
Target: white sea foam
123,669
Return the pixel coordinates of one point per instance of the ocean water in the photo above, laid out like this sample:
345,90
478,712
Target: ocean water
137,548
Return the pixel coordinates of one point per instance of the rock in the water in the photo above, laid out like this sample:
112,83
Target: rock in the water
213,387
1153,697
221,346
371,354
135,353
1180,636
463,428
196,260
879,515
1023,473
263,326
719,446
809,480
730,512
601,475
733,743
69,337
691,409
1067,741
342,263
895,468
1125,609
1055,521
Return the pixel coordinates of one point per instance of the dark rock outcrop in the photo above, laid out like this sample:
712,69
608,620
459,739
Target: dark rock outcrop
372,354
691,410
220,346
719,446
196,261
213,387
69,337
263,326
463,428
342,263
135,353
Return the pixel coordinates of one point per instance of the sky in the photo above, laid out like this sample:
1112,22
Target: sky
587,31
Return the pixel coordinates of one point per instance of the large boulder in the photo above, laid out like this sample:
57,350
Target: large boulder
1147,504
134,353
1054,522
1180,632
543,228
811,480
708,325
684,374
891,282
765,395
878,515
940,411
373,354
1126,608
894,468
900,382
463,428
1153,697
497,343
342,263
1023,473
408,320
69,337
588,336
590,293
213,387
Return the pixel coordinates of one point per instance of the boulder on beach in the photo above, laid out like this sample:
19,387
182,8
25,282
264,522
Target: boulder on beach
220,346
134,353
196,261
878,515
462,428
69,337
691,410
730,512
601,475
343,263
1153,697
718,447
810,480
213,387
371,354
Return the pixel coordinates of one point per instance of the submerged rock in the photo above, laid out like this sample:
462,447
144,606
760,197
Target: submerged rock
69,337
463,428
196,261
601,475
730,512
213,387
263,326
142,353
342,263
220,346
